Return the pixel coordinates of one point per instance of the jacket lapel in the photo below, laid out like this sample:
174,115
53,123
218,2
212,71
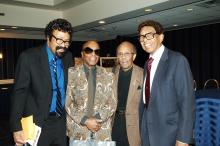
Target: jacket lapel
65,70
161,69
45,65
132,86
117,75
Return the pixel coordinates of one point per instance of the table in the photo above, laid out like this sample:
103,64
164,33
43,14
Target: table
207,125
6,81
5,91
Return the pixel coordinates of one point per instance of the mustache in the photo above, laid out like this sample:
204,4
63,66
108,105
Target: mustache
60,47
61,54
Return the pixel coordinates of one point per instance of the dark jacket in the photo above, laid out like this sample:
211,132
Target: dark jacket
170,113
32,91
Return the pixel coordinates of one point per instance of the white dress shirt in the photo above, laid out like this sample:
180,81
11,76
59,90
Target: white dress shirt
156,56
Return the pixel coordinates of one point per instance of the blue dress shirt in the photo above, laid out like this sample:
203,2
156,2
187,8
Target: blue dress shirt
60,78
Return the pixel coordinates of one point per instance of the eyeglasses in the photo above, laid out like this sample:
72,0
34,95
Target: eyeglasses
59,41
124,54
88,50
148,36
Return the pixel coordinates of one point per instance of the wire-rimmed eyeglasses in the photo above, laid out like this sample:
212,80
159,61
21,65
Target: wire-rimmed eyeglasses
127,54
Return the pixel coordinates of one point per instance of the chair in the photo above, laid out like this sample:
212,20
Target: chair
194,85
207,123
211,84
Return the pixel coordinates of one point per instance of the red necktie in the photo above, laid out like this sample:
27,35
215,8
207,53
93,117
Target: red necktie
147,83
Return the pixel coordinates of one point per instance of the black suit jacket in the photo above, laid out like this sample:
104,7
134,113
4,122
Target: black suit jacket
32,91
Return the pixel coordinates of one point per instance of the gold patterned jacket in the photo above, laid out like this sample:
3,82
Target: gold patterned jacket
105,102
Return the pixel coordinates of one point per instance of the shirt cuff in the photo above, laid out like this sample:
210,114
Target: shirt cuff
83,120
97,116
181,142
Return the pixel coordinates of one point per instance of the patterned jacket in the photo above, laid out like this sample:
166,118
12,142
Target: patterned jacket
105,102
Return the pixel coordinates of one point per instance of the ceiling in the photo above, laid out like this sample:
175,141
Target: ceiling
45,4
173,14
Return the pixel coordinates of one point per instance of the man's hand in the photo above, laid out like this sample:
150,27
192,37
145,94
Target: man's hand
92,124
178,143
19,138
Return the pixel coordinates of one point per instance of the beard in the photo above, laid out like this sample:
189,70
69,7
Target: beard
60,51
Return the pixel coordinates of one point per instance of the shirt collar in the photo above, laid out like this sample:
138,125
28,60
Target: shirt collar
51,55
86,69
158,53
130,70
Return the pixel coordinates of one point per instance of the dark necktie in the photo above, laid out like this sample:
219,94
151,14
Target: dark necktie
59,108
91,93
147,83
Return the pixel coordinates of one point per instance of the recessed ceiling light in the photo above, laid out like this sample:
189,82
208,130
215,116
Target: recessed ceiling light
175,25
14,27
2,29
148,10
189,9
101,21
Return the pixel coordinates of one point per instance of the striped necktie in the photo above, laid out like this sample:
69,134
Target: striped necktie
59,108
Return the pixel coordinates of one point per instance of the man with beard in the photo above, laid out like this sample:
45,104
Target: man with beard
40,84
91,98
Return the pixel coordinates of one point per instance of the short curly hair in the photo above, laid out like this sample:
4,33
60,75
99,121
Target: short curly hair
156,25
60,25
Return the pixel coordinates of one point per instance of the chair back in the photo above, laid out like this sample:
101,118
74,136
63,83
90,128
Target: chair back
207,123
194,85
211,83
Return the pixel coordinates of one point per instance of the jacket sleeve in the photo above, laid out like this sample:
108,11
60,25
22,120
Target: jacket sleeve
20,92
186,100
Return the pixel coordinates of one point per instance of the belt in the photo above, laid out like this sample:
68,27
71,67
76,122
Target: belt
54,115
120,112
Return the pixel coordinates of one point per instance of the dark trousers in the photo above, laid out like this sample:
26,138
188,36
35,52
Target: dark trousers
119,133
144,130
53,132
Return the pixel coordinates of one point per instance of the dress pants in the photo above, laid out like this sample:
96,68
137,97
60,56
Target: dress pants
144,130
119,133
53,132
